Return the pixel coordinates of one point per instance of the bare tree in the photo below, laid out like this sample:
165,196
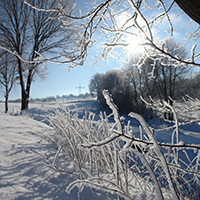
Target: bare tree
94,85
121,21
29,33
115,81
8,74
161,73
13,30
167,74
140,82
156,75
47,37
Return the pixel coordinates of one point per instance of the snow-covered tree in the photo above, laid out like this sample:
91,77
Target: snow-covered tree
94,85
115,82
8,74
28,33
129,24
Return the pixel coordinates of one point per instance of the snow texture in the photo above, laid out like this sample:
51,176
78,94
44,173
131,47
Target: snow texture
31,166
23,174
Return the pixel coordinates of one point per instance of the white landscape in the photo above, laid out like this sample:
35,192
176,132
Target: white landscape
24,173
73,149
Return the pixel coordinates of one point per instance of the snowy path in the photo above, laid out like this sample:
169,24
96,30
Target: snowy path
22,174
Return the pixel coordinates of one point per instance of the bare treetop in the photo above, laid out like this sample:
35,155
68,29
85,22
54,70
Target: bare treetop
124,25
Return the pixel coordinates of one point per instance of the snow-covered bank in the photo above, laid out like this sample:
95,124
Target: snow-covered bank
23,175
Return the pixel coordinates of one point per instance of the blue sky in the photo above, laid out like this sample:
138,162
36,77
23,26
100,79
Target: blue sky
60,81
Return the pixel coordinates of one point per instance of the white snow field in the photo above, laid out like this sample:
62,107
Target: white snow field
24,175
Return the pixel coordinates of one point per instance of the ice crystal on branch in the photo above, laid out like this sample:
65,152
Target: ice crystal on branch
112,157
130,25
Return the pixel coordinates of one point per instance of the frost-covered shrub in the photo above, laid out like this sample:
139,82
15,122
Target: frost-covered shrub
115,82
122,160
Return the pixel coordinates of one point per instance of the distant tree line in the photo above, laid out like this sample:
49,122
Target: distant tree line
53,98
147,76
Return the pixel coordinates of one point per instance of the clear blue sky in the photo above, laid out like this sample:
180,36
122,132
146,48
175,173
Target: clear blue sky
61,82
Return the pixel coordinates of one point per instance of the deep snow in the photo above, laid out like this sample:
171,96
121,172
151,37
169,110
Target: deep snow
23,175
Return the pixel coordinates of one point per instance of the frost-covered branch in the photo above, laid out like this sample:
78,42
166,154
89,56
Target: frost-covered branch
158,151
119,22
111,158
123,136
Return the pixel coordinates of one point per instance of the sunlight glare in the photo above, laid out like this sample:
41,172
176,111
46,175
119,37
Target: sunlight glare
133,42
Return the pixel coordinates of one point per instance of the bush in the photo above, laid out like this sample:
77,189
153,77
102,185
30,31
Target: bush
109,157
116,83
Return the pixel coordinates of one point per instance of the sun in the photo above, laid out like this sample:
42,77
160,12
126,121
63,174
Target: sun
134,44
132,38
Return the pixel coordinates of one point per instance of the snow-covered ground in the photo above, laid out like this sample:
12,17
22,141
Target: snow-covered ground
23,175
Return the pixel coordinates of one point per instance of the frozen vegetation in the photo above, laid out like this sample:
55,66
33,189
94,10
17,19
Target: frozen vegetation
74,151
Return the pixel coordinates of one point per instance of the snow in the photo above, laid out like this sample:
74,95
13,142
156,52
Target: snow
24,175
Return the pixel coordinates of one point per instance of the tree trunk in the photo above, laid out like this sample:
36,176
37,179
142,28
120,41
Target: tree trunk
191,8
6,103
23,91
23,101
28,87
